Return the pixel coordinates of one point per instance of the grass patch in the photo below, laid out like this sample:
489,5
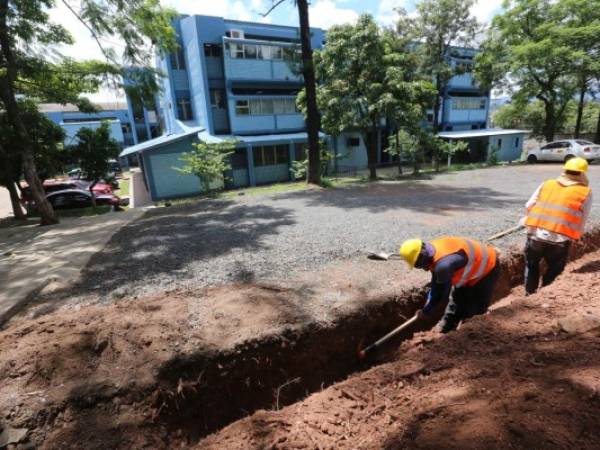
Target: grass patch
277,188
123,190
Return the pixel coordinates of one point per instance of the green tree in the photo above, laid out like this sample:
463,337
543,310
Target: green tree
364,79
47,139
93,150
311,111
28,40
579,29
437,26
530,116
207,161
522,56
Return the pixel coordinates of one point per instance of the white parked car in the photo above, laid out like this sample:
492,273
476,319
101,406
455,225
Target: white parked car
564,150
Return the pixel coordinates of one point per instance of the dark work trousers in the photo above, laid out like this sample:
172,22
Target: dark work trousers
555,256
469,301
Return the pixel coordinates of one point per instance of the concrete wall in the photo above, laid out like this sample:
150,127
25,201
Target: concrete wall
352,156
139,194
510,145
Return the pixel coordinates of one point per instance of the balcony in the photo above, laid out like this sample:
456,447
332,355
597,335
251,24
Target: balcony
466,109
246,59
464,80
264,114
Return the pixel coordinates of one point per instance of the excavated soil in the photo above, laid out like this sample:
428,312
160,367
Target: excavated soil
169,370
512,379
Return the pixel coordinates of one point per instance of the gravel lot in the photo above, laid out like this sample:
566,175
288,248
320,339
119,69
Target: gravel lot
271,237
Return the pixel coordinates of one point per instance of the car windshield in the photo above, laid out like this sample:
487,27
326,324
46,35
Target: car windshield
585,142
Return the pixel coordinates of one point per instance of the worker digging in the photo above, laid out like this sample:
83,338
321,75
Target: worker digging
556,216
463,272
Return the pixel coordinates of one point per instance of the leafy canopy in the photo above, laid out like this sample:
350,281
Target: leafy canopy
364,76
93,150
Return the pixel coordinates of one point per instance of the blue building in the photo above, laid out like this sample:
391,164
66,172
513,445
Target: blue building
121,118
231,80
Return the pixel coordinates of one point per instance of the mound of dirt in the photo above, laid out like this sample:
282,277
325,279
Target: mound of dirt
511,379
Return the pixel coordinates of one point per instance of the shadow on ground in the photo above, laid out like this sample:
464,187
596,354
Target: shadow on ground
412,195
166,240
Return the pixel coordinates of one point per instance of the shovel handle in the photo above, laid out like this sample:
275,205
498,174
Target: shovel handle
505,232
388,336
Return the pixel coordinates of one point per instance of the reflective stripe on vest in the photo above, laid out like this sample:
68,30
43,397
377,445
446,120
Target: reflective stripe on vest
559,209
481,259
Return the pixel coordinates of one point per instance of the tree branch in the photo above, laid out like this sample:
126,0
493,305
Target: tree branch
273,6
91,30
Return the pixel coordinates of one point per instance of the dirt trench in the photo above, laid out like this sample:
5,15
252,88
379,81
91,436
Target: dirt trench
171,398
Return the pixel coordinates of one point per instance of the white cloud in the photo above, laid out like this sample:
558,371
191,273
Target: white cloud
325,13
230,9
386,14
484,10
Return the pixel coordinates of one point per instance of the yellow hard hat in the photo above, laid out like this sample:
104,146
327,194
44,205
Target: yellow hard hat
576,165
409,251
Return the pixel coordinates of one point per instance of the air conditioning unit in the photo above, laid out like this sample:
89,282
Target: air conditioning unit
237,34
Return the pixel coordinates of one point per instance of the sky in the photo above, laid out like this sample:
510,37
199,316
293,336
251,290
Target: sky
322,14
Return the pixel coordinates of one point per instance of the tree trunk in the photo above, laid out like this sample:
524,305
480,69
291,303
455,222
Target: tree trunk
15,202
312,113
436,124
580,108
549,121
399,150
7,94
370,137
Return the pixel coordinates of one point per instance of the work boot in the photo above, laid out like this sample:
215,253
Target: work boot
446,324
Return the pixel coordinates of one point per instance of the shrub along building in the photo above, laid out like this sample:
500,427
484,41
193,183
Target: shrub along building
233,80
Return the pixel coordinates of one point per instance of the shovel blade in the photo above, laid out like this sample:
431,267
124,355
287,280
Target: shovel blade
380,256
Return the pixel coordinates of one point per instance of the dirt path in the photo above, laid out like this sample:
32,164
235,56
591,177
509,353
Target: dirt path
511,379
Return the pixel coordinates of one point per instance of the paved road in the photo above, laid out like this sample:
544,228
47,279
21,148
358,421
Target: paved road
257,238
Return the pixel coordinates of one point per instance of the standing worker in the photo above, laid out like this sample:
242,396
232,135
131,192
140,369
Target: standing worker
556,215
469,266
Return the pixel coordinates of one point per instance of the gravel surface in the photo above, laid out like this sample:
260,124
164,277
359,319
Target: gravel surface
271,237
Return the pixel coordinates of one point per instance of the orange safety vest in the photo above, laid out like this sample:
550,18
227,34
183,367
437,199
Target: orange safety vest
481,258
559,209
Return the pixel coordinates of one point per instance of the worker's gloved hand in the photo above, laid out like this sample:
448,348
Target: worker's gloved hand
522,221
421,314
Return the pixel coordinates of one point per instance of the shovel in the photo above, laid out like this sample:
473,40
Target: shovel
363,353
382,256
505,232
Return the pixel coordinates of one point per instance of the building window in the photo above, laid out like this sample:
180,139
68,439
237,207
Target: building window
468,103
464,67
517,142
352,142
184,109
238,159
270,155
499,143
212,50
126,128
236,51
177,60
252,51
242,108
266,106
217,98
